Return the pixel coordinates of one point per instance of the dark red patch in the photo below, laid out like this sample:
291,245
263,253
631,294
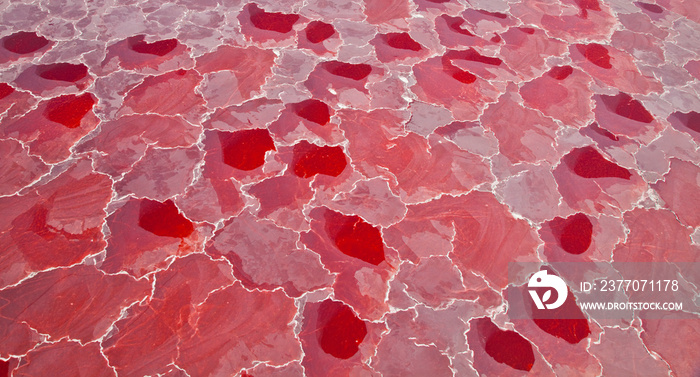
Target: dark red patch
340,332
356,72
401,41
506,346
653,8
313,110
566,322
5,90
451,129
245,149
458,74
62,72
310,159
560,73
624,105
502,16
318,31
355,237
455,24
510,348
439,1
596,54
527,30
602,131
573,233
571,330
586,5
272,21
472,55
693,121
587,162
4,368
690,120
69,110
160,48
462,76
38,225
163,219
24,42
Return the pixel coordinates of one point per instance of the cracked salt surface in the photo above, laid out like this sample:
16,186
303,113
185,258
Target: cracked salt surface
237,188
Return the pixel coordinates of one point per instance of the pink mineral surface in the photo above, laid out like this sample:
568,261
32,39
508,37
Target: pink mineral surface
343,188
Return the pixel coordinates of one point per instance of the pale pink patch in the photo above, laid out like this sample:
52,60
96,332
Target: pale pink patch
440,81
328,321
248,242
234,75
679,190
124,141
171,93
56,224
148,337
336,82
562,93
145,233
227,344
146,55
526,50
17,168
613,67
523,134
161,173
386,11
673,340
361,283
624,115
434,166
591,183
54,126
48,80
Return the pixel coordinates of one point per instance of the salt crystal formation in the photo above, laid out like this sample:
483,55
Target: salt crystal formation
334,188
